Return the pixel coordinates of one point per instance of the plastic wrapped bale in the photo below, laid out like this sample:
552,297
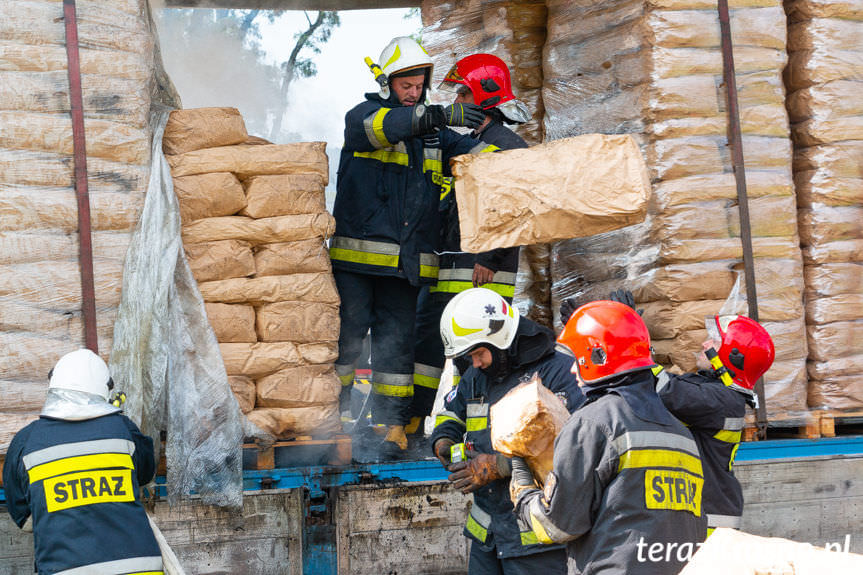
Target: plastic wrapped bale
654,70
824,78
525,422
40,297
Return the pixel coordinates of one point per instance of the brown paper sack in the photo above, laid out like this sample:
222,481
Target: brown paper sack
299,387
199,128
220,260
285,258
568,188
287,422
244,390
232,323
209,196
524,423
300,322
260,359
284,194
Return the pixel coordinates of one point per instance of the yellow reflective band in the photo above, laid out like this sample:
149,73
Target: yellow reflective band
386,156
476,529
539,532
710,531
87,488
393,390
653,458
728,436
428,271
445,187
432,165
347,379
673,490
477,423
459,286
529,538
489,148
378,127
80,463
455,380
733,455
358,257
426,381
656,369
463,331
444,418
396,55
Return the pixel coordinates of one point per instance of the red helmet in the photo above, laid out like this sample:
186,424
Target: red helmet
608,338
746,348
487,77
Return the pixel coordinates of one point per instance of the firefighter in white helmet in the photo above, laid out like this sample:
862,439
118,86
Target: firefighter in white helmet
74,476
504,350
396,154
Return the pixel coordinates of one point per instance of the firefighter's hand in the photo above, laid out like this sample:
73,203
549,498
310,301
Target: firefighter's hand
464,115
625,297
442,452
567,306
522,479
427,119
481,275
470,475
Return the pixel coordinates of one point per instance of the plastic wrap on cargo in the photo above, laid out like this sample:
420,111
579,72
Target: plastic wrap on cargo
533,284
841,307
199,128
832,252
833,279
836,367
837,339
819,187
209,196
513,30
167,357
823,224
839,392
806,9
40,275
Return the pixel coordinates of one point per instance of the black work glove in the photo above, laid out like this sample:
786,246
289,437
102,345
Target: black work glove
567,306
625,297
521,481
464,115
427,119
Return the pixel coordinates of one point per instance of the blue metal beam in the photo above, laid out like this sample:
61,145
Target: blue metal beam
317,478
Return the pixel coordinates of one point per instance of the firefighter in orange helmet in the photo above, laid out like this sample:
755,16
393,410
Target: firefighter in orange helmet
627,475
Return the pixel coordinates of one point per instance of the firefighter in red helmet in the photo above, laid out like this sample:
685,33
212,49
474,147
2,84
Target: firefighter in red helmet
482,80
712,403
627,474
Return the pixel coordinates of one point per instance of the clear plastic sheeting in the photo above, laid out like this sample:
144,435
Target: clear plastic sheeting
654,69
40,275
824,78
167,356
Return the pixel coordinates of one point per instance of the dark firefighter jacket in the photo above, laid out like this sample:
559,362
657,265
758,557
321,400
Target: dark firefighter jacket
79,480
626,475
388,191
714,414
491,522
456,267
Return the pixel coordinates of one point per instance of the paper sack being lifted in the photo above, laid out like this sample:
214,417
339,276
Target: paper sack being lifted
568,188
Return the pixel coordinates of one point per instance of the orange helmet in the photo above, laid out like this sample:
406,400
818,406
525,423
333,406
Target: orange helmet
488,79
608,338
746,348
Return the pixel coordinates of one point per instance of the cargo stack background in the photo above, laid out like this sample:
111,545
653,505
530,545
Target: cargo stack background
40,277
254,230
824,79
513,30
654,69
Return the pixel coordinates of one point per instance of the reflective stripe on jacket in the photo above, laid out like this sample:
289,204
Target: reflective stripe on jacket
388,190
465,417
627,475
79,481
714,414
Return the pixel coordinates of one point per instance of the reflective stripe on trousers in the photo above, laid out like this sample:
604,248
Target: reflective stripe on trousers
393,384
381,254
427,375
478,522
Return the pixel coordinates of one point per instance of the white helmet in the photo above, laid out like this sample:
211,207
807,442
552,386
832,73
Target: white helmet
402,54
476,316
81,370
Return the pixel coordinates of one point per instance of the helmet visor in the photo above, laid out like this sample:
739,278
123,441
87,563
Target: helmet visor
453,81
717,325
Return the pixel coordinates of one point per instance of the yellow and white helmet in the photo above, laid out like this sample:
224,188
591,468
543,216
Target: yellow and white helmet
403,54
477,316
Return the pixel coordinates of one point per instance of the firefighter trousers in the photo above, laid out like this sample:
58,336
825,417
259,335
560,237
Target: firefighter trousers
481,562
385,305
